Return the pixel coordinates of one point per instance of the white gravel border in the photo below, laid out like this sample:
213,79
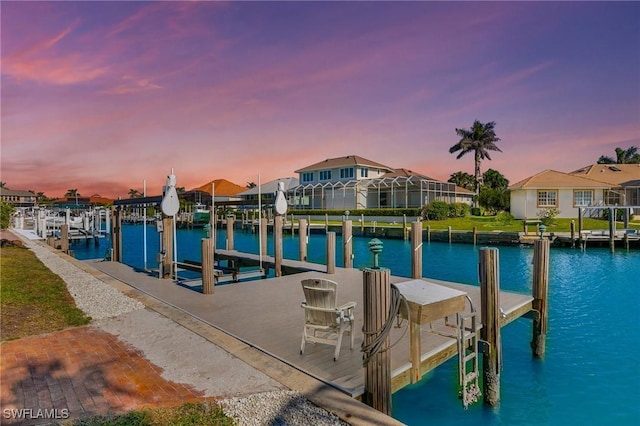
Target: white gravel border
94,297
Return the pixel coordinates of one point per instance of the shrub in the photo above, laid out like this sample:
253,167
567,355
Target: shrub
436,210
6,210
475,211
504,218
459,210
547,216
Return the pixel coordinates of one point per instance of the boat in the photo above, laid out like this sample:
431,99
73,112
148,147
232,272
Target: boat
201,214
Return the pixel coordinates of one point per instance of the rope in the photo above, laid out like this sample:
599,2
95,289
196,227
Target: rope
375,346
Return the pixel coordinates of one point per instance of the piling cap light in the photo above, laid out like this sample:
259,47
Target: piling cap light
375,247
541,229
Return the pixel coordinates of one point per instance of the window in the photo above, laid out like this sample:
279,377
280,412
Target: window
307,177
364,172
548,198
346,173
325,175
582,198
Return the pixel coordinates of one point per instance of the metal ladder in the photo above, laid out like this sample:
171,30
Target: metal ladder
468,357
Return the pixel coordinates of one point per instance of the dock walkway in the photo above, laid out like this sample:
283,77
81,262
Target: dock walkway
266,314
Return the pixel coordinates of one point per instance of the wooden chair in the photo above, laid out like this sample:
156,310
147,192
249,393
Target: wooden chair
324,321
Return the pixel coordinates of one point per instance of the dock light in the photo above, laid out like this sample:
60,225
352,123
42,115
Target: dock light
347,213
541,229
375,247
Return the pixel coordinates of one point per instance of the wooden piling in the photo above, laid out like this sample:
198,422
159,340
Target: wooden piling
116,234
573,233
475,235
230,224
326,222
405,232
416,252
449,232
428,233
540,293
208,283
278,224
167,246
362,222
580,226
302,234
377,299
263,234
331,252
612,229
347,242
64,238
490,308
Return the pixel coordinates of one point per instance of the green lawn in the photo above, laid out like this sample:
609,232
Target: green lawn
491,223
34,300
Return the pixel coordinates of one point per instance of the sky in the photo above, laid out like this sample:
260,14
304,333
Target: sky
102,96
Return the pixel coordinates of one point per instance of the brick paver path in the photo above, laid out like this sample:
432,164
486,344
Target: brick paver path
80,371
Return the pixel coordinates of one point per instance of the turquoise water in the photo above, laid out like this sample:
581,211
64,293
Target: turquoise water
590,374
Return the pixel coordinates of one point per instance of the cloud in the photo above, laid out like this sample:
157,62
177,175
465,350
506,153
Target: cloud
42,62
132,85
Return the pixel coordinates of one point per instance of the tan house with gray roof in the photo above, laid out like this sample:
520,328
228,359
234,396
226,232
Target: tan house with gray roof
596,185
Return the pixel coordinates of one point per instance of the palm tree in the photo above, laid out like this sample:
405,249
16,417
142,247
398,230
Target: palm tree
463,180
623,156
479,139
134,193
2,184
72,193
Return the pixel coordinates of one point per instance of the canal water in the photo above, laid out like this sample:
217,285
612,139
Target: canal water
590,374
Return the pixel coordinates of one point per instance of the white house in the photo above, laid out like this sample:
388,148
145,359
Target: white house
354,182
595,185
268,190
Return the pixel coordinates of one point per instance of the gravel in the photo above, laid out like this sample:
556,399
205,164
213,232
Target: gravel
94,297
112,311
278,408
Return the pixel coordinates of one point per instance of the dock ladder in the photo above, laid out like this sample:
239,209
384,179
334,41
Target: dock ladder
468,356
467,338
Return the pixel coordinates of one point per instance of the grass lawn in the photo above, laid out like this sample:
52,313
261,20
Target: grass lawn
34,300
492,223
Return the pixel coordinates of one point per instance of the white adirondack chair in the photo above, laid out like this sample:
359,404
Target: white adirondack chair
324,321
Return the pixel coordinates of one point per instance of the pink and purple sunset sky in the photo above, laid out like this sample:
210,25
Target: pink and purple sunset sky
98,96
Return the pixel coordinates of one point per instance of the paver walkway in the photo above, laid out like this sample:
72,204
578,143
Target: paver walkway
77,372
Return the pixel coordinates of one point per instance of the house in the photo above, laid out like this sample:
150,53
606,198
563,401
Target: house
624,179
224,192
596,185
18,198
268,191
354,182
79,202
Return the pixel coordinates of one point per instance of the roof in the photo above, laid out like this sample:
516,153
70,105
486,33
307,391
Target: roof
271,187
615,174
349,160
464,191
405,173
222,187
555,179
16,192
